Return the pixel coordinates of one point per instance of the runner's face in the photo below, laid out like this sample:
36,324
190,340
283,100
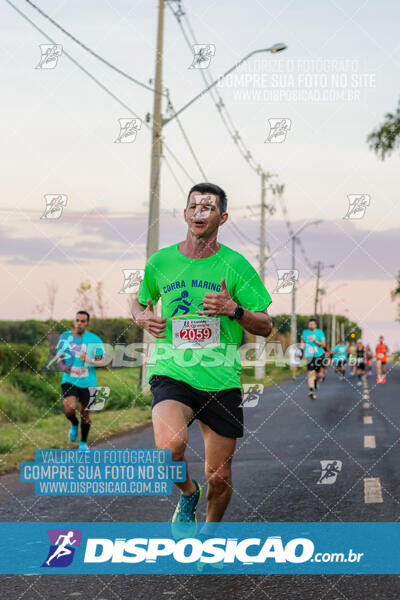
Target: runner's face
312,325
203,215
81,323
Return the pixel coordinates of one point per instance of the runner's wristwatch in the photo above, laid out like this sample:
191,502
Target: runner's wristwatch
237,313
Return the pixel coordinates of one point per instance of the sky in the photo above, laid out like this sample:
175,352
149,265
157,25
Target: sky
333,85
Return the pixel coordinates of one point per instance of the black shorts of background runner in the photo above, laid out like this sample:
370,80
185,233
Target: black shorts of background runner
341,362
83,394
221,410
315,363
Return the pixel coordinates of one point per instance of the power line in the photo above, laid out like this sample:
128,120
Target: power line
186,138
217,99
99,83
82,45
174,176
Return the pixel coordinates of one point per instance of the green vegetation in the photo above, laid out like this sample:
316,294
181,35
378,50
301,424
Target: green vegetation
31,409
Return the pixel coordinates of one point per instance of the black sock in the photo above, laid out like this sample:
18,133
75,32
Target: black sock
84,431
73,419
311,389
359,377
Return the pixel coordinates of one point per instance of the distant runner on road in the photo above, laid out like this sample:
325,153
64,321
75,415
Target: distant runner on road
360,361
209,295
295,356
313,344
381,358
78,352
340,358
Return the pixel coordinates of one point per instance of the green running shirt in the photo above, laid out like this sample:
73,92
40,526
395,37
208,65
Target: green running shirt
181,283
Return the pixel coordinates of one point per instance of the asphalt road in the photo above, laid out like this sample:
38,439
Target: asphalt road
276,470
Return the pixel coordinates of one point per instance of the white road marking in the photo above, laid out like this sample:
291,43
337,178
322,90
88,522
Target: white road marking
366,405
369,441
372,490
368,420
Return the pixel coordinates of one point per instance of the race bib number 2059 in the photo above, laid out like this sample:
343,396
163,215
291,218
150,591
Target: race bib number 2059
195,333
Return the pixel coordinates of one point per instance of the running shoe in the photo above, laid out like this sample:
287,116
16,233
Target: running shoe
73,433
311,393
204,567
383,379
359,382
83,447
184,522
379,380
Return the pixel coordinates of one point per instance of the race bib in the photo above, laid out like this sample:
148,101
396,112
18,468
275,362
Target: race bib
195,333
312,349
380,355
79,372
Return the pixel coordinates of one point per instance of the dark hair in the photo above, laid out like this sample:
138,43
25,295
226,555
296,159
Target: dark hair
211,188
313,319
83,312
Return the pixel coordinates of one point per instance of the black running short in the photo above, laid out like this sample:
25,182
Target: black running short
315,363
340,363
221,411
83,395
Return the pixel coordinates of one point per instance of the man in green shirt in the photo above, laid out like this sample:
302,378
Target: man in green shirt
209,294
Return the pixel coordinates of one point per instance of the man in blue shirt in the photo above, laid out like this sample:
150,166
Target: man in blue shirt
313,344
78,352
340,358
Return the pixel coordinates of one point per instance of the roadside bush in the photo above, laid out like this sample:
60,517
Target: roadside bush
14,406
19,356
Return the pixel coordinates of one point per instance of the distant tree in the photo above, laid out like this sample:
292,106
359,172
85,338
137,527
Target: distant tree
52,291
101,303
83,298
49,304
386,138
395,293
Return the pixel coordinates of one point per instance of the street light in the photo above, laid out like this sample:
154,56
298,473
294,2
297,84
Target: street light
278,47
273,49
293,320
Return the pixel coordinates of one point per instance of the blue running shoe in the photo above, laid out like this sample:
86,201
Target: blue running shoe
73,433
184,522
83,447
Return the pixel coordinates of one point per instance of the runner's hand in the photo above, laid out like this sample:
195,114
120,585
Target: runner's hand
218,303
150,322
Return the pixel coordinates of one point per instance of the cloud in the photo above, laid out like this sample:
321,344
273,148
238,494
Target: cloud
99,236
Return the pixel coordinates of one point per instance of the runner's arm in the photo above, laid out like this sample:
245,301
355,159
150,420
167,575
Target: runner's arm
61,363
144,317
221,303
259,323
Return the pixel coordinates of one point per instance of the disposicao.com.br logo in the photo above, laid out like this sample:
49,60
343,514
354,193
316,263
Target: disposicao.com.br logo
62,547
248,551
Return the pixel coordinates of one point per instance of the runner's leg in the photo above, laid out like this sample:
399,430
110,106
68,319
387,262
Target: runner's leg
85,423
218,470
378,368
170,425
311,379
69,409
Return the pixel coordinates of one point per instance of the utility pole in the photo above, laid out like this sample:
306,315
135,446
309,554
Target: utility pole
293,320
262,229
317,288
156,146
259,370
156,151
333,335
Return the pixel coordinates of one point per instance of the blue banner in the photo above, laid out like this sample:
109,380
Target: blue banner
226,548
103,472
